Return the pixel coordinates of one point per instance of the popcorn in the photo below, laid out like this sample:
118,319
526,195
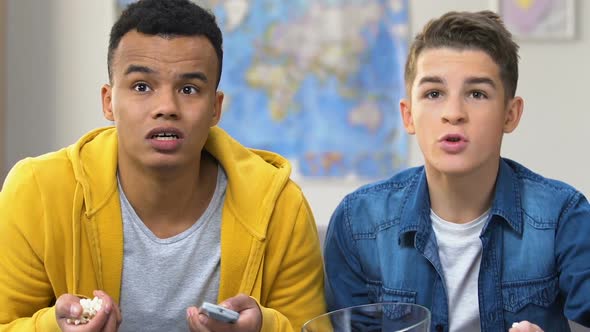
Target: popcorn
89,309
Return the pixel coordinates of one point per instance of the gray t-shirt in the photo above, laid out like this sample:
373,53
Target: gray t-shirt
163,277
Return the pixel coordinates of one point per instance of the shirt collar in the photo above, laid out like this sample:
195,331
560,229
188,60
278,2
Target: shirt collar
506,204
416,205
507,197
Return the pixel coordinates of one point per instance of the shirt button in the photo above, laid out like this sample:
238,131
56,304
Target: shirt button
439,328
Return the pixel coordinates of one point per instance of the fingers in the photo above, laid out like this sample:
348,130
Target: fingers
111,324
196,320
250,313
115,312
114,320
119,316
525,326
99,322
250,319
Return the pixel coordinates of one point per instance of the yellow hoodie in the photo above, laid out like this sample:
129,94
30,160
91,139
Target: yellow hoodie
61,232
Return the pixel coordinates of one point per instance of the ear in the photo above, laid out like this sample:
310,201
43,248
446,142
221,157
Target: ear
217,107
513,114
405,108
106,93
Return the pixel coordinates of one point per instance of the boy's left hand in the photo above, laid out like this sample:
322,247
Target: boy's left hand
250,317
525,326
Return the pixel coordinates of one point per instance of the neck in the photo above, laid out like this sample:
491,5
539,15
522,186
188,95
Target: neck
170,201
461,198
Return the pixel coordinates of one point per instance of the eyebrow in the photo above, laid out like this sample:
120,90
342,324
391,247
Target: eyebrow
139,69
195,76
430,79
147,70
481,80
469,80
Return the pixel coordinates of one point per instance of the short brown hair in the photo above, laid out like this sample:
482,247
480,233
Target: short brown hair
482,30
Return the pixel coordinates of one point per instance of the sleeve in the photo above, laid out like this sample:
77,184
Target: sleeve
345,285
573,259
297,290
25,291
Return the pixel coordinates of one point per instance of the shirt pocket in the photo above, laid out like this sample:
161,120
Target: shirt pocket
541,292
393,311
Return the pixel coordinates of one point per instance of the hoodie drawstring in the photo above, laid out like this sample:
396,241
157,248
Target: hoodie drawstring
76,220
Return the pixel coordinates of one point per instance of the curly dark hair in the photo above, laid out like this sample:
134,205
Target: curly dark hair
482,30
168,18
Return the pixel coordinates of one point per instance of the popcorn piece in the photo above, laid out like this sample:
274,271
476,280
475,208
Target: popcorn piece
90,309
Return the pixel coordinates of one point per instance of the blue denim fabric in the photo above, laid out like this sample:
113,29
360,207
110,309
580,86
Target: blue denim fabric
535,260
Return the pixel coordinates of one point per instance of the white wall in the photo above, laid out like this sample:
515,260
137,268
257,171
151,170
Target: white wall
2,79
56,64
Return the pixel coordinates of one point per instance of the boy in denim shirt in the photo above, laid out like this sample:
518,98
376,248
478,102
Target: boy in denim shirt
480,240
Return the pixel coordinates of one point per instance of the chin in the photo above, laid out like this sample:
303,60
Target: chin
453,167
464,166
162,164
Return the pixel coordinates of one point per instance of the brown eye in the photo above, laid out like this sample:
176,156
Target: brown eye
141,87
189,90
433,94
478,95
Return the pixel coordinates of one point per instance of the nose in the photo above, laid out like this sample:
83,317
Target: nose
453,111
166,105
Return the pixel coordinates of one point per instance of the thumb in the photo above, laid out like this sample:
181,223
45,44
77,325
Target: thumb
68,306
239,303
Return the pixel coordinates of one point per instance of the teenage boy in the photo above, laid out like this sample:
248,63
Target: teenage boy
162,211
480,240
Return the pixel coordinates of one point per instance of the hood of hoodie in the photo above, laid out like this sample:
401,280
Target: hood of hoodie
255,177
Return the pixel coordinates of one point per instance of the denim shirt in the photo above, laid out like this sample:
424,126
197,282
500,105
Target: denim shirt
535,266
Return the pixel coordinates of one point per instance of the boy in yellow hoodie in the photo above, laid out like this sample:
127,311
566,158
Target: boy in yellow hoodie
162,211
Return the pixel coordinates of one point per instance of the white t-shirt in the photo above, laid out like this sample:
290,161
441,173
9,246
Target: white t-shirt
459,249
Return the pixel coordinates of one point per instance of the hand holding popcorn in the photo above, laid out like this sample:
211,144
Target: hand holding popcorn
98,314
89,309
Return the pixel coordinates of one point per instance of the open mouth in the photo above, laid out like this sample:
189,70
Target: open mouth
165,136
453,138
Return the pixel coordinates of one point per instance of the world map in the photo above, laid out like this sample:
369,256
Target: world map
318,81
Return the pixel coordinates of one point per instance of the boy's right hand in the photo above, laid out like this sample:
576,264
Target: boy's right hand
525,326
107,319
